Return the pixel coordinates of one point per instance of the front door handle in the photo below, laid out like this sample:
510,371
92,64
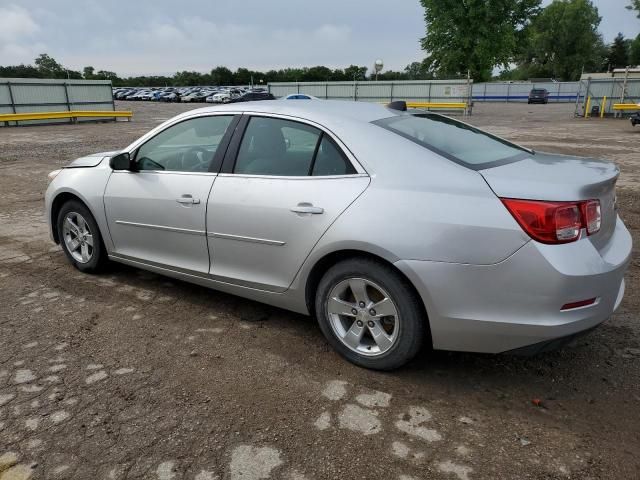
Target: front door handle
188,200
307,208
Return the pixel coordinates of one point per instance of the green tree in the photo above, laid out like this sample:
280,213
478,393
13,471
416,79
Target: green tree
88,72
418,71
242,76
473,35
20,71
353,72
186,78
106,75
564,39
634,51
222,76
618,56
634,46
315,74
49,67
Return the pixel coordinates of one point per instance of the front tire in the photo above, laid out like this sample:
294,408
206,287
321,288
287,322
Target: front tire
80,238
370,314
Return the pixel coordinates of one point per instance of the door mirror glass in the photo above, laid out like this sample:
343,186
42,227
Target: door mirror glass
122,161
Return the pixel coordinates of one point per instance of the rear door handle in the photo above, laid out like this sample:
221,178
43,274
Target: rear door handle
188,200
307,208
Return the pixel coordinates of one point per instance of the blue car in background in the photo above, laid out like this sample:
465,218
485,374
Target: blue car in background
300,96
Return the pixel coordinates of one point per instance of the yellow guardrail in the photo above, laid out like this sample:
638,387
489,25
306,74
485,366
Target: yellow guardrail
626,106
443,105
16,117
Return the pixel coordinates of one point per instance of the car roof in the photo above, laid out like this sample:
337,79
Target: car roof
327,112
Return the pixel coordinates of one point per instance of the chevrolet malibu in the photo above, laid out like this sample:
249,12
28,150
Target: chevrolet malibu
393,228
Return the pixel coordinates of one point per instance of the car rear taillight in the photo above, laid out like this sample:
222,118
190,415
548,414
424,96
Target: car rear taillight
592,216
555,222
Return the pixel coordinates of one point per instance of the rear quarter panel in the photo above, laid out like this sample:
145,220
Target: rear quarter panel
421,206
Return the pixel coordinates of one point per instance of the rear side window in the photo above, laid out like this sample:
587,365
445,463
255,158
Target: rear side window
276,147
330,160
454,140
271,146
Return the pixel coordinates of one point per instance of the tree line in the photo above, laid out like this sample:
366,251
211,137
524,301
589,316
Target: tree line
473,37
47,67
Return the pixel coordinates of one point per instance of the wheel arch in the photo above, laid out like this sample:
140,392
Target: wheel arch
323,264
59,200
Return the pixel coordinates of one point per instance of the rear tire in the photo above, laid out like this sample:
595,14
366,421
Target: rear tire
346,301
80,238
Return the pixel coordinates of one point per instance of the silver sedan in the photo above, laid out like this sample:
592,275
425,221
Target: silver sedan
393,228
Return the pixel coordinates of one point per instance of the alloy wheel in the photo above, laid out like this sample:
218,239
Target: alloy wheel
77,237
363,316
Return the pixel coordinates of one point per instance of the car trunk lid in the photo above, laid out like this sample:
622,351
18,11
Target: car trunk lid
551,177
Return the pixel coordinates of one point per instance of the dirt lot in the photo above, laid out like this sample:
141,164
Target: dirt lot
132,375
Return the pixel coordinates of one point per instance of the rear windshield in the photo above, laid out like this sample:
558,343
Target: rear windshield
535,90
454,140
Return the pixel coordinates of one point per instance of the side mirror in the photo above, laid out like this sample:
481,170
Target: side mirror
122,161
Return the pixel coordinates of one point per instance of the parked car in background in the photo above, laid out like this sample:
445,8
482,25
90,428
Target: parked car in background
225,96
199,96
393,228
300,96
252,97
169,97
222,94
538,95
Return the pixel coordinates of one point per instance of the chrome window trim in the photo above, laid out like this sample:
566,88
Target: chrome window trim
162,127
345,150
295,177
170,123
167,172
200,233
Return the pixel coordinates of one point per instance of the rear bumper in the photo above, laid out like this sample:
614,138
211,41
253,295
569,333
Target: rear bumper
547,345
516,303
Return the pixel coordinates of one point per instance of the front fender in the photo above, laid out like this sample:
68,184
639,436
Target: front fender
88,185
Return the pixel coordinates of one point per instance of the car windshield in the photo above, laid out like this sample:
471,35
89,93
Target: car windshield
454,140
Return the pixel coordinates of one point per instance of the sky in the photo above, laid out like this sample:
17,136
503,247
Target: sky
135,37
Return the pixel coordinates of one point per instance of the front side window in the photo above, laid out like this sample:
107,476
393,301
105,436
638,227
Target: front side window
188,146
454,140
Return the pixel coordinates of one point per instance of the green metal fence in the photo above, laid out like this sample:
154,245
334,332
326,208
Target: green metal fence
32,95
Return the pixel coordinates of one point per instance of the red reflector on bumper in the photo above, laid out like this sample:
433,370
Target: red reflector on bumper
581,303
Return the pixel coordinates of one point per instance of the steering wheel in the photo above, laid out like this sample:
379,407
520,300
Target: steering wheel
201,156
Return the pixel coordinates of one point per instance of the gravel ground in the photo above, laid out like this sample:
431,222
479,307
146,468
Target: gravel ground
133,375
